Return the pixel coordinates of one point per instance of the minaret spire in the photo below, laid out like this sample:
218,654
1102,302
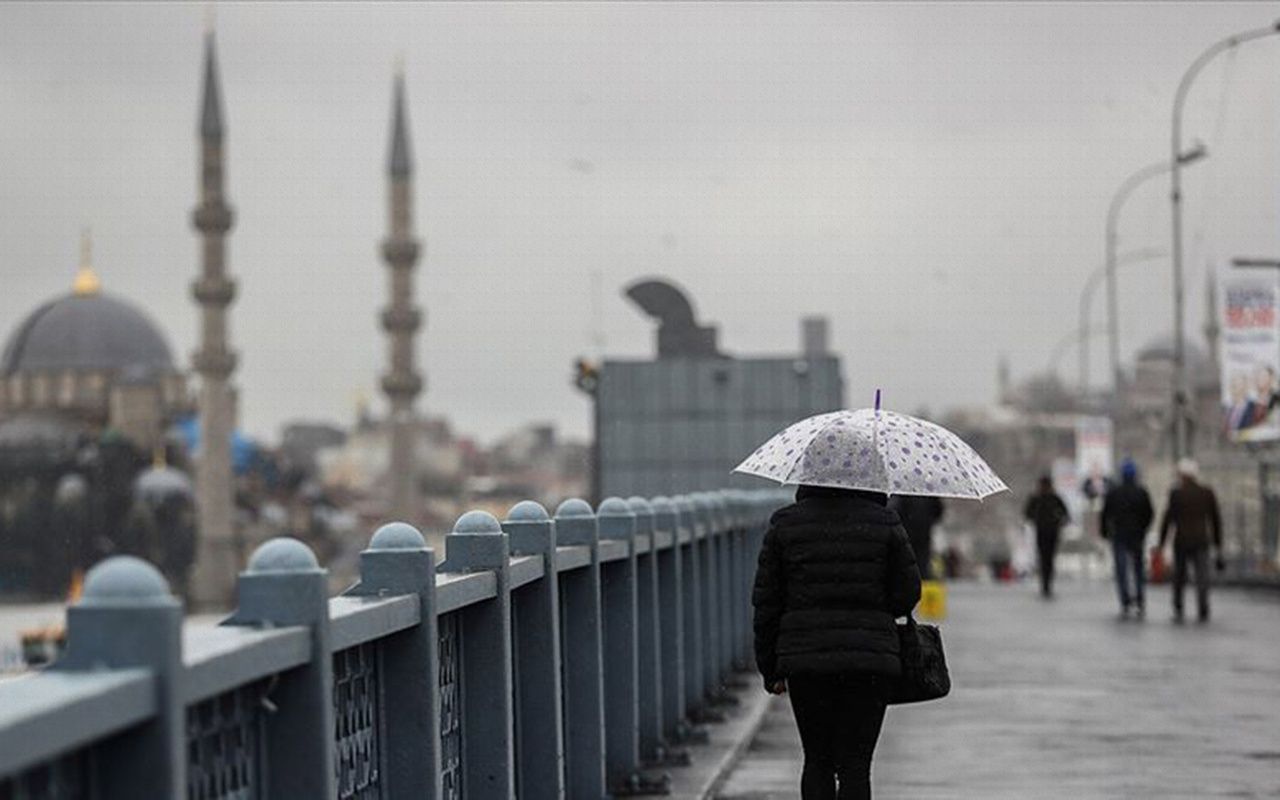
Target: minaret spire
400,159
211,106
214,580
401,318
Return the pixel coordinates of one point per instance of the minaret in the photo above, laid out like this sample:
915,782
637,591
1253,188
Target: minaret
218,562
401,319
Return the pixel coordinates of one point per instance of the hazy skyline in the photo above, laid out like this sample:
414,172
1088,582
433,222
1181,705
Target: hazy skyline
934,178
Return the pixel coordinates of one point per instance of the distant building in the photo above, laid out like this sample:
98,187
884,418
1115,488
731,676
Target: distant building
88,389
684,420
87,362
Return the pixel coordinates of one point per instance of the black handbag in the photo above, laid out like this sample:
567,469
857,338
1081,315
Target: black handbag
924,665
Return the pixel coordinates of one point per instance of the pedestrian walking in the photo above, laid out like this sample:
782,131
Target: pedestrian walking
1046,511
1126,516
919,515
834,572
1192,514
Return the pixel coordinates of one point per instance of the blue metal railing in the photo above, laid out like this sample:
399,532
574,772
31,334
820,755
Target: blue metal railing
563,656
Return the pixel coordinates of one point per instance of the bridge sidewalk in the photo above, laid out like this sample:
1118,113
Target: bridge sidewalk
1060,699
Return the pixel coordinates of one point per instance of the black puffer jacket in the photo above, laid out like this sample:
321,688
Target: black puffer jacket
834,572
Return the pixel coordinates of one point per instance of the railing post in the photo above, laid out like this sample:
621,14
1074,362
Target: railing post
743,556
477,543
692,597
726,531
285,586
398,561
127,617
535,613
582,636
710,586
649,654
621,654
671,649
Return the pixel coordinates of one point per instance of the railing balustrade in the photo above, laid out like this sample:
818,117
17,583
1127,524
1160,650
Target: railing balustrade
547,656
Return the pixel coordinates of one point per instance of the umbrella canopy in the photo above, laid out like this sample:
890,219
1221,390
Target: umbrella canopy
879,451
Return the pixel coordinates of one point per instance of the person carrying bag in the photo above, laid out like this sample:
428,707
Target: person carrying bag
835,570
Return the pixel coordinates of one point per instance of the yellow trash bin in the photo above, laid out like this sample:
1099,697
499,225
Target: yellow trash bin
933,600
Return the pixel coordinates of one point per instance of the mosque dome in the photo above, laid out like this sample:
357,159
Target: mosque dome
86,330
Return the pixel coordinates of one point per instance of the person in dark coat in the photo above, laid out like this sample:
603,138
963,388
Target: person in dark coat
1192,513
835,570
1046,511
1126,516
919,515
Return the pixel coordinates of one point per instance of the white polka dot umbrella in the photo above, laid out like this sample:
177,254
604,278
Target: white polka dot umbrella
876,450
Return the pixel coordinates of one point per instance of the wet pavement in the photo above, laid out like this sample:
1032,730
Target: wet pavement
1061,699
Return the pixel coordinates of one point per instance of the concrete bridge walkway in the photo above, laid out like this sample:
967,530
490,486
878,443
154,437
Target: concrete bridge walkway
1060,699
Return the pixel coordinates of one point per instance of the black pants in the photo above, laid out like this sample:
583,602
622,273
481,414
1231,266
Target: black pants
1047,545
1198,560
839,717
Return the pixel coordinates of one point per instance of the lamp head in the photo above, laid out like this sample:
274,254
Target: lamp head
1197,152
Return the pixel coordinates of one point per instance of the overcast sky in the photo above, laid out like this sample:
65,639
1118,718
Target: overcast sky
932,177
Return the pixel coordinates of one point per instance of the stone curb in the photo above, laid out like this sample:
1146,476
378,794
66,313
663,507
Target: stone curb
728,741
751,723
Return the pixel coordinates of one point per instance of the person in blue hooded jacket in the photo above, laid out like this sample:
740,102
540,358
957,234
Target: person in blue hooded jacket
1126,515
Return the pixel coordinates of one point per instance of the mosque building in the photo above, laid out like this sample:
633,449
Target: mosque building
86,362
90,394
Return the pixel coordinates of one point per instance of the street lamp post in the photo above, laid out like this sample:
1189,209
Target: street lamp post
1181,446
1107,270
1113,216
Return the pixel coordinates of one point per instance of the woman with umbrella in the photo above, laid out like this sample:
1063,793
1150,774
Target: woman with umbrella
836,569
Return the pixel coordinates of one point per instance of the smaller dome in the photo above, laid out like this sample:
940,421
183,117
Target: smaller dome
158,484
38,432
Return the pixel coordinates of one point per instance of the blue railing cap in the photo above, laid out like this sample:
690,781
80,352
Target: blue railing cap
124,580
663,505
574,507
397,536
639,505
477,522
527,511
614,507
282,554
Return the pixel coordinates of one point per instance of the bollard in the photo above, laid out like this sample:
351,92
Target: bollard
398,561
477,543
535,617
285,586
582,641
127,617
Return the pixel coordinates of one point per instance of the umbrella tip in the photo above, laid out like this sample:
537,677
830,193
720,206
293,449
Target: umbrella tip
877,402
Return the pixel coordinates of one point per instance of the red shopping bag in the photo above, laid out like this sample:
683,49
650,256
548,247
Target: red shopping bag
1159,567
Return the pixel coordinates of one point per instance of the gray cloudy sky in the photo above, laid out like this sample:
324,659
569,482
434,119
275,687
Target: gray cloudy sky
933,177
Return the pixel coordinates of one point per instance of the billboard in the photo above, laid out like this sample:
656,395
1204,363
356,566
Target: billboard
1095,460
1250,358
